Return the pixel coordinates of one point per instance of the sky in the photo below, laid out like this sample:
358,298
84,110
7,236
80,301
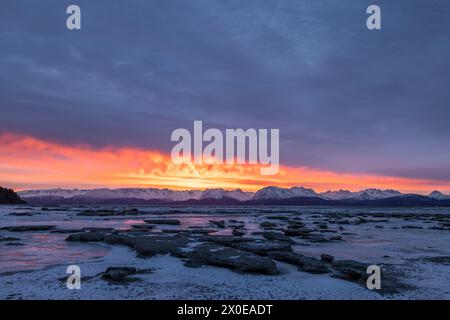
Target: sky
96,107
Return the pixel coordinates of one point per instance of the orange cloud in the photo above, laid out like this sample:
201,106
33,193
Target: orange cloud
27,162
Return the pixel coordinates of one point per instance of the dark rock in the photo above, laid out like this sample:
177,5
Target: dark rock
101,213
444,260
296,224
306,264
313,265
121,273
173,231
215,255
28,228
163,221
277,236
278,217
238,232
224,240
66,231
91,236
106,213
200,231
94,229
438,228
317,238
297,232
146,227
267,224
322,225
262,247
160,244
220,224
118,273
120,239
350,270
21,214
9,239
327,258
412,227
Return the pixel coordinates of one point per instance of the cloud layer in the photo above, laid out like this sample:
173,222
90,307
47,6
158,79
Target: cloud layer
29,163
346,99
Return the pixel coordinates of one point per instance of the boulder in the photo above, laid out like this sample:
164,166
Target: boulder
283,218
219,224
120,239
297,232
106,213
238,232
216,255
277,236
224,240
91,236
148,246
118,273
121,273
306,264
28,228
327,258
66,231
262,247
3,239
267,224
146,227
163,221
350,270
21,214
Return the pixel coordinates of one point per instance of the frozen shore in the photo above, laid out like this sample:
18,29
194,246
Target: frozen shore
412,248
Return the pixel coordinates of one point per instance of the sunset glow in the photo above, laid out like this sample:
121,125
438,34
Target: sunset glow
27,163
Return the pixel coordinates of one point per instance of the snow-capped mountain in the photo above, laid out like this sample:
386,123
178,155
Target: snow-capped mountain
374,194
137,193
267,195
282,193
368,194
438,195
103,193
184,195
237,194
338,195
60,193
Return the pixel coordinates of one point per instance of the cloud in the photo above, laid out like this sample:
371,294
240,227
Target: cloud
346,99
29,163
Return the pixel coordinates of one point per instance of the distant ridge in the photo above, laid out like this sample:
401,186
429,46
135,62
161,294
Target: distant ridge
265,196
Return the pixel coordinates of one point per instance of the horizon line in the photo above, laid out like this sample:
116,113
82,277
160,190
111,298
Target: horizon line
225,189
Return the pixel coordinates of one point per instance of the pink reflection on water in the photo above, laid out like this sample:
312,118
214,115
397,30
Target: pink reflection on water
40,250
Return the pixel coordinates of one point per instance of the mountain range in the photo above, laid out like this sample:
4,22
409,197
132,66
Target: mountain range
264,196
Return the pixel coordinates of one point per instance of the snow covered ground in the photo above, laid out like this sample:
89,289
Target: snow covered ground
34,265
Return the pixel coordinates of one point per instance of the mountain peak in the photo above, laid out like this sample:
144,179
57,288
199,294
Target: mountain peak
438,195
